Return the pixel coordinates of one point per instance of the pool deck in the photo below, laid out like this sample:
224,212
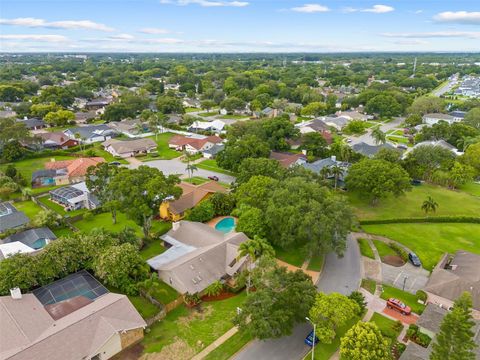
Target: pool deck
216,220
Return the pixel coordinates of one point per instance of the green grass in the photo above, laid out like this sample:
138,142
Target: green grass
386,326
471,188
29,208
193,327
163,151
405,297
316,263
325,351
398,140
450,203
98,150
28,166
365,248
293,256
383,249
191,109
234,117
231,346
196,180
151,249
431,241
369,285
45,200
212,165
62,232
143,306
208,114
104,220
163,292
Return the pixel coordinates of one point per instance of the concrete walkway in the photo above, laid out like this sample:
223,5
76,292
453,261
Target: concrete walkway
203,354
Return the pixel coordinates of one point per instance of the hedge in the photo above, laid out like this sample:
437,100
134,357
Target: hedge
437,219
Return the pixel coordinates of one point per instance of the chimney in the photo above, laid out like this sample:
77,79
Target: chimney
175,225
334,158
16,293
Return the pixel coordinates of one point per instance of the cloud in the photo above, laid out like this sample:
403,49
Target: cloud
436,34
379,9
121,37
64,24
310,8
154,31
458,17
206,3
34,37
411,42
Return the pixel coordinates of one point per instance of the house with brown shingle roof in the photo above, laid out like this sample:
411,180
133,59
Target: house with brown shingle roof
71,171
288,159
192,195
57,140
194,144
452,276
129,148
80,327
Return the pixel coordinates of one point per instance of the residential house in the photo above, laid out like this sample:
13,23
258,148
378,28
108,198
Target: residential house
25,242
7,114
354,115
97,104
66,171
129,148
72,318
337,122
212,152
440,143
91,133
57,140
74,197
197,256
452,276
370,150
83,117
193,144
192,195
434,118
288,160
192,103
316,125
458,115
10,217
216,126
269,112
330,162
33,123
131,128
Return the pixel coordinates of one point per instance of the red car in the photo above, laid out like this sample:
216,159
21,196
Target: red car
399,306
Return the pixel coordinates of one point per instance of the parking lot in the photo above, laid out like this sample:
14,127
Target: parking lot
415,278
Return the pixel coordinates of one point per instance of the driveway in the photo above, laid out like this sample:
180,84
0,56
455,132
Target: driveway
385,127
415,277
339,275
176,167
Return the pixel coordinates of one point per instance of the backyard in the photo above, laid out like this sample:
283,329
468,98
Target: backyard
29,208
45,200
430,241
184,332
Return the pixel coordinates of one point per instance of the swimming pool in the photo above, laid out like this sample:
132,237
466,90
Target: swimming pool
226,225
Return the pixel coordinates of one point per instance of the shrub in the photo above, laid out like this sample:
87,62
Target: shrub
358,297
401,348
202,212
399,250
421,295
423,339
88,216
192,299
434,219
214,289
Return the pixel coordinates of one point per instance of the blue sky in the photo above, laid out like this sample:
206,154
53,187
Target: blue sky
239,25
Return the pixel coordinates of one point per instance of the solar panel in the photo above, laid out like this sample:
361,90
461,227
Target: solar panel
78,284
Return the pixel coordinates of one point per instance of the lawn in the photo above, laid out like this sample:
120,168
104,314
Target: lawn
316,263
325,351
471,188
143,306
398,139
234,117
45,200
163,151
431,241
152,248
196,180
165,293
191,109
388,327
29,208
208,114
231,346
62,232
383,249
450,203
28,166
211,165
407,298
369,285
365,248
97,150
293,256
189,331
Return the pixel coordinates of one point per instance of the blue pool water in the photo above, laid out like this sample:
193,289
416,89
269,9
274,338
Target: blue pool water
226,225
40,243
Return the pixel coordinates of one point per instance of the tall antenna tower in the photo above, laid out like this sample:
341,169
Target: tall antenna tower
414,67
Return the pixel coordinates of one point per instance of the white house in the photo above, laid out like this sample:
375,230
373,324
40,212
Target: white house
431,119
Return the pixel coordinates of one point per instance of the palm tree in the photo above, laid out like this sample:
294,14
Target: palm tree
154,123
379,136
26,193
429,205
253,249
79,138
151,285
466,141
336,171
190,169
325,172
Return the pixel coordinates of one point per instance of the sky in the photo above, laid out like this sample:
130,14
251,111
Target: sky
239,25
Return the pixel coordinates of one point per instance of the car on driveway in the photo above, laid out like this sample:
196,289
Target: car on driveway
214,178
309,339
399,306
414,259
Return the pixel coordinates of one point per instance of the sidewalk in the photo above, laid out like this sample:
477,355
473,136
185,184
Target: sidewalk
202,354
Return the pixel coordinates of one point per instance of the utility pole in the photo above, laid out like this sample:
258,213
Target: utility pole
414,67
313,341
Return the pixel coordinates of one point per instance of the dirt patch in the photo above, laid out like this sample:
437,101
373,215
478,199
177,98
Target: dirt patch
222,296
199,313
393,260
132,353
179,350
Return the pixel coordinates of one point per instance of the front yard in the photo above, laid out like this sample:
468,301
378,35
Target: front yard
185,332
163,151
211,165
407,298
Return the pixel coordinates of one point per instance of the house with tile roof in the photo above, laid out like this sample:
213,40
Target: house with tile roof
87,322
198,255
193,144
192,195
67,171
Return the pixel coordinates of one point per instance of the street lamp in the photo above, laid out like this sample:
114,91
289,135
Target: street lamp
404,281
313,341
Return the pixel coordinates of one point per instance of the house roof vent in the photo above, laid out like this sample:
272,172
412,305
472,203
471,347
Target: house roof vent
16,293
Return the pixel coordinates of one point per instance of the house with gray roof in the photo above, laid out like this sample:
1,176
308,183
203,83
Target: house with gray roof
329,162
197,256
33,123
435,118
91,133
441,143
27,241
10,217
370,150
212,152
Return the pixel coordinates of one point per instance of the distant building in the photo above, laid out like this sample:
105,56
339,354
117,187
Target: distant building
212,152
193,144
97,104
216,126
91,133
131,128
440,143
57,140
33,123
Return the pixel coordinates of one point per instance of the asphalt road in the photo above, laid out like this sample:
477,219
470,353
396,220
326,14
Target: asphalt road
176,167
339,275
368,139
445,88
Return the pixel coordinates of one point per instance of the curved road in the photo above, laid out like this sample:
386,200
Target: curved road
341,275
